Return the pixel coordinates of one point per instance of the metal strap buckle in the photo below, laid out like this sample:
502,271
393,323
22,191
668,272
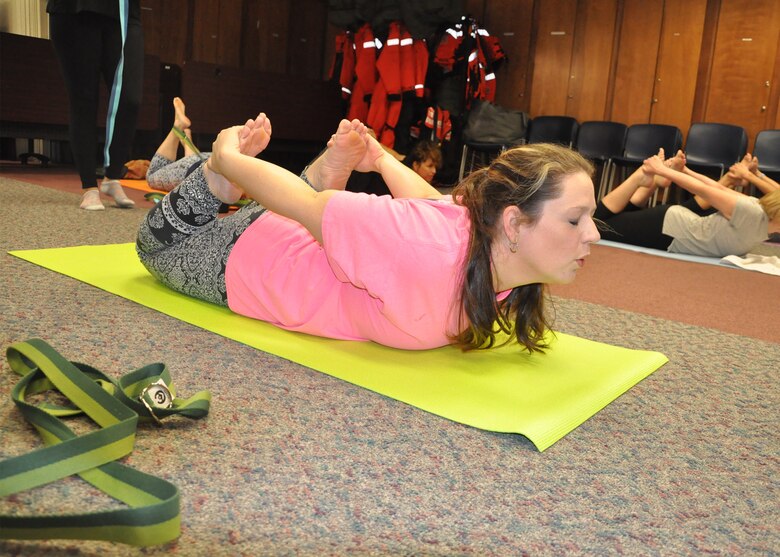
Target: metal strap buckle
160,396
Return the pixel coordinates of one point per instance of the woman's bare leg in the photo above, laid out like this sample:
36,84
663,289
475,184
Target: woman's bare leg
636,189
181,121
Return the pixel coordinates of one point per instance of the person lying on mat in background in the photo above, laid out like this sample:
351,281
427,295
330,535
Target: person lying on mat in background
717,221
424,158
165,171
418,270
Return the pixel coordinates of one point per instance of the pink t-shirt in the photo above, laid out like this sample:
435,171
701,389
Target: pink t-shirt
388,271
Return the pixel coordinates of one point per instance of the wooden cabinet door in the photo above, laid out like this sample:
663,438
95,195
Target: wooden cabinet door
266,35
510,21
640,31
216,32
552,56
678,62
307,38
166,27
744,65
591,60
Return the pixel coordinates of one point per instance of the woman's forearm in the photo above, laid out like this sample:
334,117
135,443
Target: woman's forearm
402,181
277,189
764,184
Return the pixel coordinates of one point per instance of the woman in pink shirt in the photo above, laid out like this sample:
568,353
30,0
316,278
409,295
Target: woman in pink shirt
414,270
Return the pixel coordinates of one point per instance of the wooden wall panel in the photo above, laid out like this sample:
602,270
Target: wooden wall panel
307,38
477,8
640,31
205,31
744,64
511,22
552,57
216,32
166,29
301,109
678,63
229,33
591,61
266,35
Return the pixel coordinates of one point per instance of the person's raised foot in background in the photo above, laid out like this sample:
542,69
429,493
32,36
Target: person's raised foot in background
183,123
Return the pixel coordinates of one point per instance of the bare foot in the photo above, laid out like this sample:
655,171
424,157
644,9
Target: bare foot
254,137
346,149
677,162
180,119
222,188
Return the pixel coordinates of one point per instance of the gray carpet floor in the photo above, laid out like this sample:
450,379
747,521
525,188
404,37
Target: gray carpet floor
293,462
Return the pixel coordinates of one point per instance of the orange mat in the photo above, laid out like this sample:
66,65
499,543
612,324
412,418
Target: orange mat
140,185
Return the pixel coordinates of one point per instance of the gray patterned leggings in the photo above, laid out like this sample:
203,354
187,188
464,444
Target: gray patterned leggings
185,246
165,174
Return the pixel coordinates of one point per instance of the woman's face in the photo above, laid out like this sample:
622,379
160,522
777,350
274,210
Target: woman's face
554,248
426,169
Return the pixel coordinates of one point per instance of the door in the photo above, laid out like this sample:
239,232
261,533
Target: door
678,62
510,21
552,57
640,32
743,65
591,60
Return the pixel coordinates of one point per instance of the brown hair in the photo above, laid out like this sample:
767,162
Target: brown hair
526,177
771,204
423,150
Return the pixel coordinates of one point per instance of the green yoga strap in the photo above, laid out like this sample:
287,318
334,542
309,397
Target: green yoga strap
186,140
116,406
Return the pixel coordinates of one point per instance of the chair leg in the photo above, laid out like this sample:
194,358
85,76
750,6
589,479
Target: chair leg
462,162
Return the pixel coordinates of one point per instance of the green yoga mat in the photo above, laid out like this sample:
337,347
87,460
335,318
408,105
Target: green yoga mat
541,396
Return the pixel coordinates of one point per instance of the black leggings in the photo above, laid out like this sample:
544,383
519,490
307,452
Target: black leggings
88,46
638,226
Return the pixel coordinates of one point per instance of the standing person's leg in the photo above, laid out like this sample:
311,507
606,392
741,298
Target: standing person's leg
122,68
77,43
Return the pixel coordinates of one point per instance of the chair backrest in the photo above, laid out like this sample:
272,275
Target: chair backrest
711,143
767,149
644,140
600,140
552,129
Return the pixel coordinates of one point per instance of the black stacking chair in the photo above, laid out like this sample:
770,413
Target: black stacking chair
552,129
473,150
711,148
643,141
600,141
767,149
490,130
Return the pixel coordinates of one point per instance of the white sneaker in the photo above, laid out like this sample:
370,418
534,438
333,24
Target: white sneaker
114,189
90,201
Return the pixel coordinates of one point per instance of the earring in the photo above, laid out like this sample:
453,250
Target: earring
513,247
